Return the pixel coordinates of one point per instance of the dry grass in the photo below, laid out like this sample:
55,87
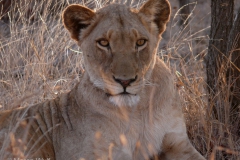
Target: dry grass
38,61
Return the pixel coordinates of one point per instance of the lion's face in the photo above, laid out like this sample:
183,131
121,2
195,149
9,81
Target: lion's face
119,47
119,55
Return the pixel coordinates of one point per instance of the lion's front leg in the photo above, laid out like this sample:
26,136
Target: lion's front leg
176,146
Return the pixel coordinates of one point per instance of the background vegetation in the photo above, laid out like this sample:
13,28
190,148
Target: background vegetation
38,61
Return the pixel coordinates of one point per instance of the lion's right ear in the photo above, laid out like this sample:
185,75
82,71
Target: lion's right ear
75,18
157,11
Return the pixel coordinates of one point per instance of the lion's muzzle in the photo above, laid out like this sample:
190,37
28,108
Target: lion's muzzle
125,83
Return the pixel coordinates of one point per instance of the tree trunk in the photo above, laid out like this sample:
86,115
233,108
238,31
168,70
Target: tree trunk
234,71
218,58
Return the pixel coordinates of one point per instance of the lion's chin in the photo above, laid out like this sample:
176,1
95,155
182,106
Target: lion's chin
124,100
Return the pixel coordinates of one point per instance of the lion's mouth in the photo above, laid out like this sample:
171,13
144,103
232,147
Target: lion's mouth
113,91
124,93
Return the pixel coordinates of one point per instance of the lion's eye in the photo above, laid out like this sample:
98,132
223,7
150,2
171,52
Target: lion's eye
141,42
103,43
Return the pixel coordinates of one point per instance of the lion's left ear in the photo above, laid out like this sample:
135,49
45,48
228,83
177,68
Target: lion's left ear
157,11
75,18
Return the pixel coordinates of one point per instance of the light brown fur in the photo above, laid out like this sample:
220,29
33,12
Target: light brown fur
96,121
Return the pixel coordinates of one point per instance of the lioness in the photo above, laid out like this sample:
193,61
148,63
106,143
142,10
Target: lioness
124,108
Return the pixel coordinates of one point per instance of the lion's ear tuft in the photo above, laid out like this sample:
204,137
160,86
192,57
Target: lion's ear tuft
75,18
157,11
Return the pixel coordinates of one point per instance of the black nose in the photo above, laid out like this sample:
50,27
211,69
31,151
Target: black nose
125,83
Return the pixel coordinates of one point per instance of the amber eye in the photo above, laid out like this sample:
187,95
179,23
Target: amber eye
140,42
103,43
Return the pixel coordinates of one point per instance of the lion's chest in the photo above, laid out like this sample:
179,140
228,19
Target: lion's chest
145,137
100,136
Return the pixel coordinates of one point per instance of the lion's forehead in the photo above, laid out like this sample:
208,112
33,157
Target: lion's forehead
115,10
120,19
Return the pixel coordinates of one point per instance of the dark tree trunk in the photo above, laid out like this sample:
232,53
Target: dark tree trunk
223,74
184,12
218,58
234,71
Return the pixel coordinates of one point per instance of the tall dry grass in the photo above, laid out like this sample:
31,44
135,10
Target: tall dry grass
38,61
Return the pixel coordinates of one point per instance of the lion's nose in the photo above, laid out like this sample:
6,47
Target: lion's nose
125,83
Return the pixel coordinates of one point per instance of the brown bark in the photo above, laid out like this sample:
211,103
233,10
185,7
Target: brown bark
217,58
234,71
223,76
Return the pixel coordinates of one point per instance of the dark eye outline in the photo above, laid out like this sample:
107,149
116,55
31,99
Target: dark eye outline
144,42
99,42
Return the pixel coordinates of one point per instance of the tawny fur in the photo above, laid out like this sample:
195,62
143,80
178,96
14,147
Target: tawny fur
95,120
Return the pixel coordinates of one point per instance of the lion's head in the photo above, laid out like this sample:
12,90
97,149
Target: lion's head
119,45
